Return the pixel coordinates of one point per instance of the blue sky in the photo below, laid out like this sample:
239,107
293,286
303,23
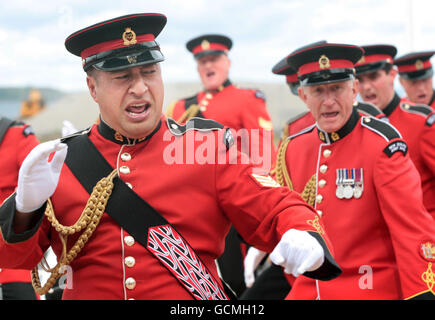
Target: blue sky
32,33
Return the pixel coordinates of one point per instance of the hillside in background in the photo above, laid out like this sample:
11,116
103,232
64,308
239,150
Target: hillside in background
14,93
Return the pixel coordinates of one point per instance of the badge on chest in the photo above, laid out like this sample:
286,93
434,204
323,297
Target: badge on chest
349,183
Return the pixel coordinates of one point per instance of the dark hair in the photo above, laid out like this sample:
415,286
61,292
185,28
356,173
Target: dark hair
387,67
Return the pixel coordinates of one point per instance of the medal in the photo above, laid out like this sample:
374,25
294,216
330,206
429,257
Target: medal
357,192
358,189
348,192
339,192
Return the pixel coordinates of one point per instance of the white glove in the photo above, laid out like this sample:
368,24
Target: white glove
252,259
38,178
298,252
68,128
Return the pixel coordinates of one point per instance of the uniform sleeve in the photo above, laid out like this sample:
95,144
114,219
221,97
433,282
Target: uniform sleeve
256,116
20,251
262,211
411,227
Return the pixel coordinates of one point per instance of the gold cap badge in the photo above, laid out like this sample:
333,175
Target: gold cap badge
362,60
205,45
419,64
324,62
129,37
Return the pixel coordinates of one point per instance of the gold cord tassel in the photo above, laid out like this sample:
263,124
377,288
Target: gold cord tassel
88,222
281,173
282,176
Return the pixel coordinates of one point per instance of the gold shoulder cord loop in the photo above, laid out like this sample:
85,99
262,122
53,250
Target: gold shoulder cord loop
283,177
281,174
191,112
88,222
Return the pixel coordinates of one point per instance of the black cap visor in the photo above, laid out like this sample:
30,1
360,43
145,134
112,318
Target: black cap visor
327,76
123,58
371,67
209,53
417,75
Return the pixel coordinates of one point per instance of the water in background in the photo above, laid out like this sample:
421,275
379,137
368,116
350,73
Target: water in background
10,108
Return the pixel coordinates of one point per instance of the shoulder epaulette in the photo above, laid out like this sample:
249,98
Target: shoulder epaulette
389,133
259,94
28,130
368,109
384,129
199,124
420,109
430,120
78,133
303,131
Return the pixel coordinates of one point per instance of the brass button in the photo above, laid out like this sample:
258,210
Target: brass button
130,283
319,212
125,156
203,108
208,95
319,198
323,168
124,170
322,183
129,185
367,119
129,240
130,261
327,153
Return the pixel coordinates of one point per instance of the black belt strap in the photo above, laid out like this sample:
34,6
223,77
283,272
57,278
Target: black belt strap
132,212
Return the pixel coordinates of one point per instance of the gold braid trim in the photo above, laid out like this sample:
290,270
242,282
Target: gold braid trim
281,174
189,113
309,192
283,177
88,222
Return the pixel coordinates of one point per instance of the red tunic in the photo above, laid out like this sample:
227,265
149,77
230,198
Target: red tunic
377,237
415,124
16,144
199,200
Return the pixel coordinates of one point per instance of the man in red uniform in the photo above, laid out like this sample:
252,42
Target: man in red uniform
360,179
376,75
243,110
236,108
163,195
415,76
270,282
16,141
